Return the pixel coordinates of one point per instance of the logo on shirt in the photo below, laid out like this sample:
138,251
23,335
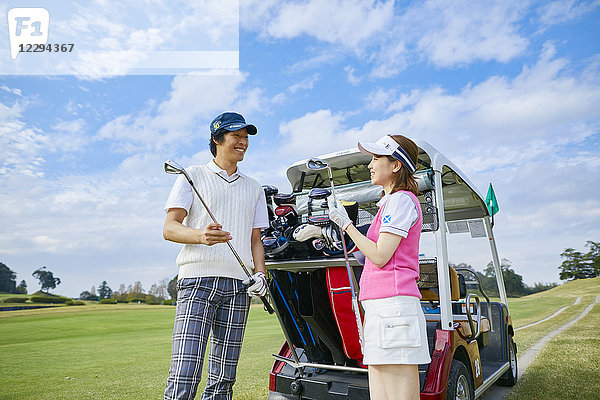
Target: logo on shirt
387,219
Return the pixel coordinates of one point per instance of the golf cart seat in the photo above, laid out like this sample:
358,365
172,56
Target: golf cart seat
485,325
428,282
429,288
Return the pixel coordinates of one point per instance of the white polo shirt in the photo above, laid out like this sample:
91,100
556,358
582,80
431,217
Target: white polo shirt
399,213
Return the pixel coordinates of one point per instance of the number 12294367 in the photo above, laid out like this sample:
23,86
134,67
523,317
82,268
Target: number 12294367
40,48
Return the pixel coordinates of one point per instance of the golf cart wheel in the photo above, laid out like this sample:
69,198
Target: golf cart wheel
460,384
511,376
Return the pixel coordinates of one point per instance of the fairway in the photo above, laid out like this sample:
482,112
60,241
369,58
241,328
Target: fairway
123,351
112,352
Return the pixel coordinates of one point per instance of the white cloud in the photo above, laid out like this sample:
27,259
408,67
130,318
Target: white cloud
186,113
350,75
19,145
460,32
327,57
321,125
306,84
391,59
380,99
14,91
543,101
389,37
347,23
557,12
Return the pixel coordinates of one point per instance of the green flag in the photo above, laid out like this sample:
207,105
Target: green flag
491,202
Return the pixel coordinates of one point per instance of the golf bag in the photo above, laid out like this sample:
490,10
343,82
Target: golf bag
340,296
295,301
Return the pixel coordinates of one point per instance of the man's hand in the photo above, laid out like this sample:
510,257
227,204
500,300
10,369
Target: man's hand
338,214
259,288
213,234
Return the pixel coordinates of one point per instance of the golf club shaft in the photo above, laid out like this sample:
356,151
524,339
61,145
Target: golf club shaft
351,279
268,307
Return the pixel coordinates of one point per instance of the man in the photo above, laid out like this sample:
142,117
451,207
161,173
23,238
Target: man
212,298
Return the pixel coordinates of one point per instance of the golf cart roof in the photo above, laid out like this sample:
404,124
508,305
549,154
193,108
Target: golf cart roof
462,200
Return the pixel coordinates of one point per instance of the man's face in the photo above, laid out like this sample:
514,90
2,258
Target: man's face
234,145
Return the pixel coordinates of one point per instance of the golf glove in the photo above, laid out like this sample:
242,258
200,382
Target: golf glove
338,214
306,232
259,288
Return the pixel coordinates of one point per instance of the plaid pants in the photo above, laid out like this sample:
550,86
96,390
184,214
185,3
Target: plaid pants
207,305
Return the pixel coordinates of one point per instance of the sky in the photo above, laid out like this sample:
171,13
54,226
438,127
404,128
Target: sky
508,90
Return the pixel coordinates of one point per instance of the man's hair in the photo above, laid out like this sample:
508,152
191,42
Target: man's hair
217,137
404,179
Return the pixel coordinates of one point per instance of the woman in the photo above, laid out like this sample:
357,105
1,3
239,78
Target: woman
395,339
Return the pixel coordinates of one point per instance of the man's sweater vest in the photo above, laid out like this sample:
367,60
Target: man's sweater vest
233,204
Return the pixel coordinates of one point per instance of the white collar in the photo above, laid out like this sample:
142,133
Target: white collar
383,200
219,171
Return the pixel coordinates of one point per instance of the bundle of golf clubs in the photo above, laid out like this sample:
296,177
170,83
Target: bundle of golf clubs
289,236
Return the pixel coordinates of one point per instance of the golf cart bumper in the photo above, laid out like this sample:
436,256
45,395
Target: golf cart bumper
287,382
320,386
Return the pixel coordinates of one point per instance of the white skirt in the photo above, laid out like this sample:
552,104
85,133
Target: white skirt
394,331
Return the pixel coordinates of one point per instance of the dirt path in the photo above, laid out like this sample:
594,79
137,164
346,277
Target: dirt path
577,300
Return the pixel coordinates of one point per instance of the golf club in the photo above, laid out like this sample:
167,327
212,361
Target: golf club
316,164
171,167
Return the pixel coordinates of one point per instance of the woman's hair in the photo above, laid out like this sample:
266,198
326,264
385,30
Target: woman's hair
217,137
404,179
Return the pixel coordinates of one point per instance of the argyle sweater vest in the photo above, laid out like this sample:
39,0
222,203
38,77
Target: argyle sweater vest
233,204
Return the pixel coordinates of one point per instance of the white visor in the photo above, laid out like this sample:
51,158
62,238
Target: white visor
386,146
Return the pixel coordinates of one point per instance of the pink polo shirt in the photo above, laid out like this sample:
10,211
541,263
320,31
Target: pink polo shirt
399,276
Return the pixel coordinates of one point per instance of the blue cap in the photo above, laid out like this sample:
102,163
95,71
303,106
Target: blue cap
231,121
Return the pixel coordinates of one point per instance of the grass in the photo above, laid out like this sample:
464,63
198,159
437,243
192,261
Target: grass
123,351
568,367
4,296
112,352
538,306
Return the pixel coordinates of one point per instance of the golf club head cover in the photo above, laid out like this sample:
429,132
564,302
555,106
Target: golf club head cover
259,288
306,232
352,209
284,199
338,214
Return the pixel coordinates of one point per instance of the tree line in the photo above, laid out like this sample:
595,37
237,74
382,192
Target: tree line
576,265
513,282
157,293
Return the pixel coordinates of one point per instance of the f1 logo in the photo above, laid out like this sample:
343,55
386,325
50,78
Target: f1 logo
27,26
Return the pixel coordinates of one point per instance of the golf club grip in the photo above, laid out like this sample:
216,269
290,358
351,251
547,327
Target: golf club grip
266,303
268,307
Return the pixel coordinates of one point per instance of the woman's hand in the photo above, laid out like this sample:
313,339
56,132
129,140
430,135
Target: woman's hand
338,214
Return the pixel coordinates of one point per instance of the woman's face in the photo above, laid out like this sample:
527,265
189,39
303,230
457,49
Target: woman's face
382,171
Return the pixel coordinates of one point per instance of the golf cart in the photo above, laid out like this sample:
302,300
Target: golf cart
313,284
